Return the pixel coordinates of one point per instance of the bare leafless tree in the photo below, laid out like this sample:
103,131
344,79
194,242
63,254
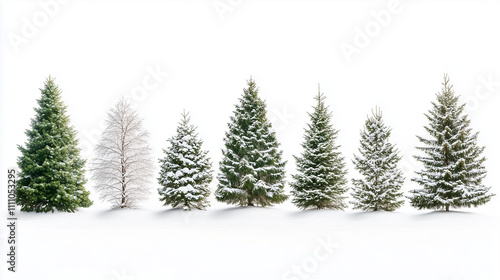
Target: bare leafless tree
123,166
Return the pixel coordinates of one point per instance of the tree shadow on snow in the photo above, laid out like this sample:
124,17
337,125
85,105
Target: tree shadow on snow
441,213
174,211
115,210
371,214
314,212
238,209
53,215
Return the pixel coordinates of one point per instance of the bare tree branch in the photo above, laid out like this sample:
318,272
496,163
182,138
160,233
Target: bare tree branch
123,167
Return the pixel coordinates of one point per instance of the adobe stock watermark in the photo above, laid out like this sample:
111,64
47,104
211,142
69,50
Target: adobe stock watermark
122,275
31,26
223,7
153,78
322,252
483,91
363,36
281,118
151,81
408,162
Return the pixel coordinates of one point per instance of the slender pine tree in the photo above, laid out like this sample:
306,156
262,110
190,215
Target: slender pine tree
320,181
52,173
453,163
382,179
251,171
186,171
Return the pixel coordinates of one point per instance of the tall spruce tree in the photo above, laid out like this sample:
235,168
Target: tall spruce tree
186,171
382,179
251,171
453,162
52,173
321,178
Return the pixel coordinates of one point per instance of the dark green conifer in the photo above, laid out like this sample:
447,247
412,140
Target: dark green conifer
453,163
320,181
251,171
52,174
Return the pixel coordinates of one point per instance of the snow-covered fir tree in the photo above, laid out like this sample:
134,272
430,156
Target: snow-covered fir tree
52,173
320,181
186,171
122,168
379,189
252,171
453,163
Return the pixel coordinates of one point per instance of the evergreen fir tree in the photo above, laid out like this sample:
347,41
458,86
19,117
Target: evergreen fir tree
382,182
52,173
320,181
453,165
185,172
251,171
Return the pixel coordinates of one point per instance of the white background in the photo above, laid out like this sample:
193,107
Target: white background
100,50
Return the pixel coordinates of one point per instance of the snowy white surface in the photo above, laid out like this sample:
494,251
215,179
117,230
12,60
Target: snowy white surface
258,243
99,50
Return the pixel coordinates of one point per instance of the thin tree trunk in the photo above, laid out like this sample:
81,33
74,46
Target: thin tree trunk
447,208
123,166
123,187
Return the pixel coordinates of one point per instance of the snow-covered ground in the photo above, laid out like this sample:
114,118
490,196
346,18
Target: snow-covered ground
167,56
279,242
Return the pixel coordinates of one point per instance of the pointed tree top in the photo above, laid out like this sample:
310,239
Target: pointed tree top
251,81
446,78
123,101
185,117
320,97
50,82
252,87
377,112
447,88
